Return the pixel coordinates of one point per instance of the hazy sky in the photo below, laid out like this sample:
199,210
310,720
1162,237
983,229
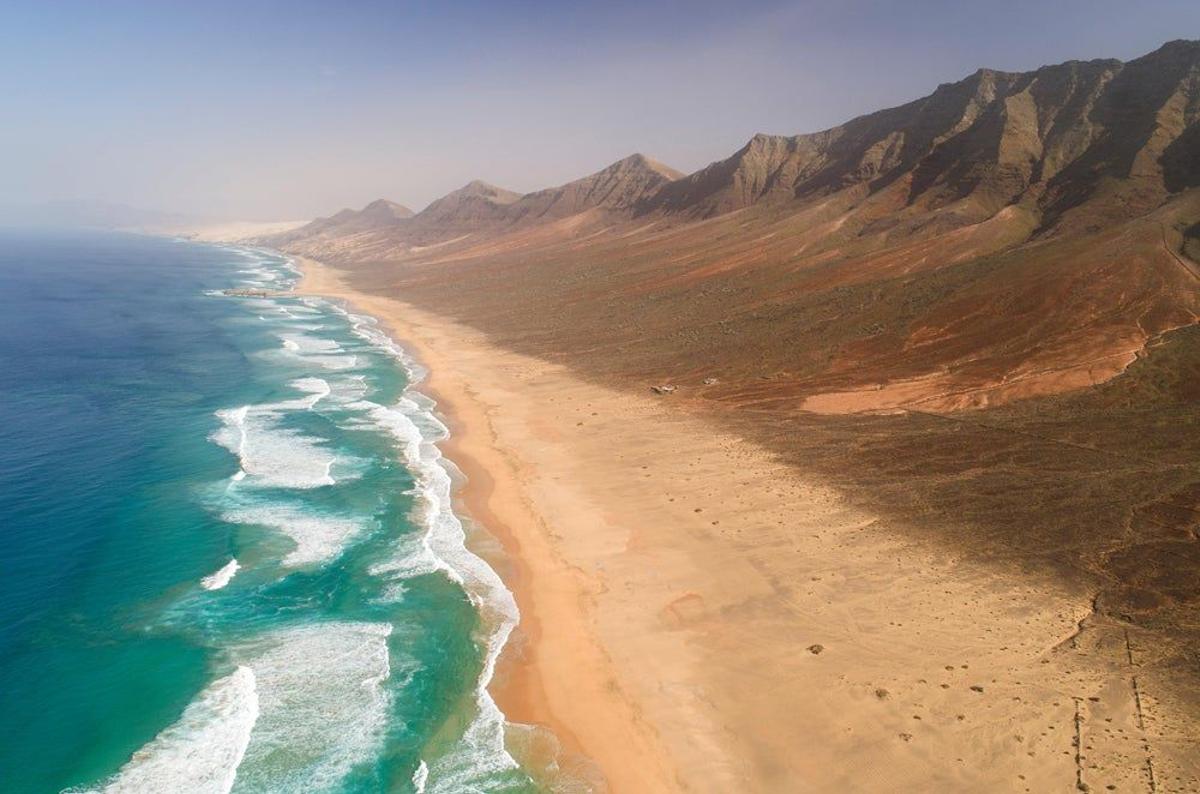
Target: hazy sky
288,110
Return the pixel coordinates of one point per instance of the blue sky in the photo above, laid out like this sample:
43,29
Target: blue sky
287,110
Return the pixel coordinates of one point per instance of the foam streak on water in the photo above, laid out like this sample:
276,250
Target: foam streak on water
323,705
272,454
318,538
441,546
201,752
220,578
416,428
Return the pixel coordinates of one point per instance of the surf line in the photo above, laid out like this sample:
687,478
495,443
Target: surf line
417,430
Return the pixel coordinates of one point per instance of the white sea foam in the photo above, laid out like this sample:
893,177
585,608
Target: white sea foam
393,593
201,752
442,547
420,777
349,389
273,455
325,353
316,388
304,343
222,577
323,705
318,538
340,393
415,554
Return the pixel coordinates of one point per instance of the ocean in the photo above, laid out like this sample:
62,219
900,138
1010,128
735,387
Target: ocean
230,556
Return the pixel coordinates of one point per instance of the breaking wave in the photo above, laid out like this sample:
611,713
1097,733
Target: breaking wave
221,577
323,706
201,752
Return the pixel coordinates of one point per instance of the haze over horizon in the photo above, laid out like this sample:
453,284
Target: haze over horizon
288,111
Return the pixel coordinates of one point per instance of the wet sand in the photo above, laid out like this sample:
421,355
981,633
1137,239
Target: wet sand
697,616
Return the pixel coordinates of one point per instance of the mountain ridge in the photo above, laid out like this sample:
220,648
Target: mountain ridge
1011,119
1065,165
1048,140
480,206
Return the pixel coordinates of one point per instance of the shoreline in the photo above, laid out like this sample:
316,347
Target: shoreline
698,616
517,684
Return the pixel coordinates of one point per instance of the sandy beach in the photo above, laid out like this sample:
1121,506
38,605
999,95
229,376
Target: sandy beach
697,616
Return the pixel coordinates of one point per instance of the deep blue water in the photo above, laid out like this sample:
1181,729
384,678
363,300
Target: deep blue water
229,556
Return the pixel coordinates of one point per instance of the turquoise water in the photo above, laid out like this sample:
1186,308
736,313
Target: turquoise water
230,558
